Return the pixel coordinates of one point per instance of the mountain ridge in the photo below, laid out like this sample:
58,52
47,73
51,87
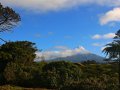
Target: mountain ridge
81,57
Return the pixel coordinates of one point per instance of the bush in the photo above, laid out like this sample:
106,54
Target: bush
59,74
23,75
92,83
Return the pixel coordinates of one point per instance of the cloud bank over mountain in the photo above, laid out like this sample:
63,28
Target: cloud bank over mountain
61,52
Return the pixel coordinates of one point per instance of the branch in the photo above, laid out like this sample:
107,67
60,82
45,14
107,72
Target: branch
3,40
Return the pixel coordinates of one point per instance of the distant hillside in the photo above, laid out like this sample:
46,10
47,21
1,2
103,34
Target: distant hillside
81,57
74,55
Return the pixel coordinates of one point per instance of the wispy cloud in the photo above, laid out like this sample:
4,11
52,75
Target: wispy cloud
110,16
104,36
62,51
55,5
97,36
38,35
97,44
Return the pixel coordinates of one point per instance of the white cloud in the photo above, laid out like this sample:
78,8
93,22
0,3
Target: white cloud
61,53
97,36
105,36
55,5
109,35
110,16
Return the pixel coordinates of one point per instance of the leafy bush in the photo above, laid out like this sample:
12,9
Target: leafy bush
19,51
59,74
23,75
102,83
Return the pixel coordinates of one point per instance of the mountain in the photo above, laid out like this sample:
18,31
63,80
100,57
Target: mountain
81,57
63,53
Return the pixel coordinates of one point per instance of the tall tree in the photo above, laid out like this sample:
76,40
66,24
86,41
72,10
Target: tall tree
19,51
8,18
112,50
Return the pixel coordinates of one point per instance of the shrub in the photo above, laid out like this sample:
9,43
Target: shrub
60,73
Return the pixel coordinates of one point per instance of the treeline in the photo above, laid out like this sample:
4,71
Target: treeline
17,67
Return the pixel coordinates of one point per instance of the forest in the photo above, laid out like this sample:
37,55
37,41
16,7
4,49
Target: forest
19,71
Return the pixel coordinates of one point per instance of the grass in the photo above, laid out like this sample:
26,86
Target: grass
9,87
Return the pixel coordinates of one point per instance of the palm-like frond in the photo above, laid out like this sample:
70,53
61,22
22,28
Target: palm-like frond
112,50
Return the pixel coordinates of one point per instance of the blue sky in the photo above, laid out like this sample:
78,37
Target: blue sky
88,25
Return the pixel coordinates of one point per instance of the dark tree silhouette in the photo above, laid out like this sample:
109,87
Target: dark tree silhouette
8,19
112,50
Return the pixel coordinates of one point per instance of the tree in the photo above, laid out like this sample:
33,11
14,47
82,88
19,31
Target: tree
19,51
112,50
8,19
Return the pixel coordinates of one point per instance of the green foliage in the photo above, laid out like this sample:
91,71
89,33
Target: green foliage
23,75
89,62
19,51
102,83
112,50
17,73
17,67
61,73
96,77
14,56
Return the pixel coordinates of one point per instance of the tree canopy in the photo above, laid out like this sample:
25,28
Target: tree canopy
20,51
8,18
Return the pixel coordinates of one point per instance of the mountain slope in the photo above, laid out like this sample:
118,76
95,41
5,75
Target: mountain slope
75,55
81,57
